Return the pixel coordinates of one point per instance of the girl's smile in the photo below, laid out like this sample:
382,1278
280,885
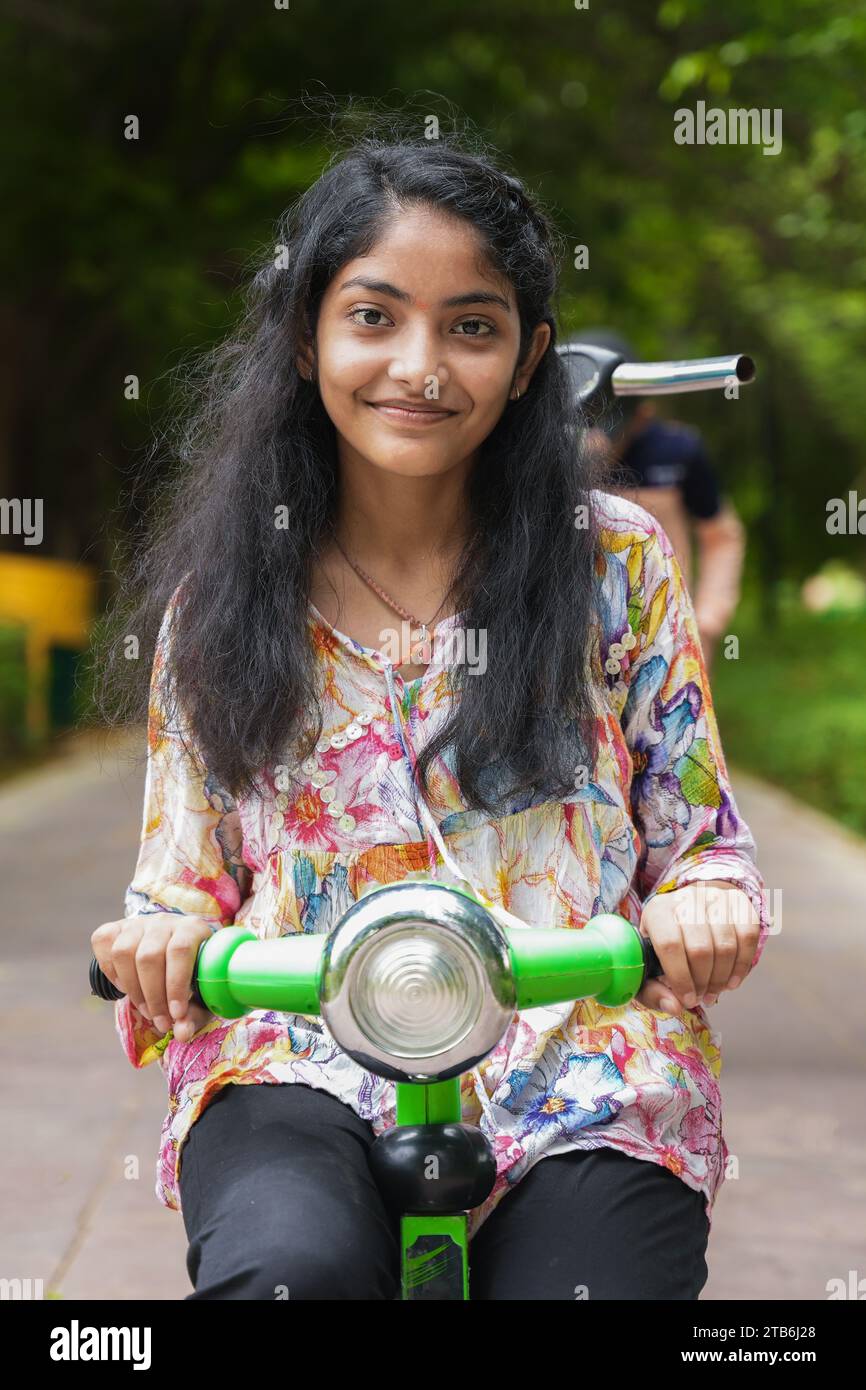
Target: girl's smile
412,413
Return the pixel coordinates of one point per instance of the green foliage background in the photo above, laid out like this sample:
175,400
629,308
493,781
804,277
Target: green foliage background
122,256
125,254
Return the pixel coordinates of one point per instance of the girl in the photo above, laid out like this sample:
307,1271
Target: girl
383,463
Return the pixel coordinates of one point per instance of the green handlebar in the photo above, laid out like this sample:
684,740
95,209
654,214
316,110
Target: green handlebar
237,971
603,960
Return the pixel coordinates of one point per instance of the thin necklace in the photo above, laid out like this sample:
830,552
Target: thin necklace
421,654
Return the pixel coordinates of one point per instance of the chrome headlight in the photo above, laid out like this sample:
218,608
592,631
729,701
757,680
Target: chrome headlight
417,982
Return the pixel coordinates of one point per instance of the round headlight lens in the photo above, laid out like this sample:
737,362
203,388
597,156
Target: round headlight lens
416,991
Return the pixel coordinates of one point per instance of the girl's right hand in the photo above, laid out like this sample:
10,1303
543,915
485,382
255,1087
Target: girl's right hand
151,957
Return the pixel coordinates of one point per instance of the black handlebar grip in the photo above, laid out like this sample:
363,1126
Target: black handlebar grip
101,986
652,965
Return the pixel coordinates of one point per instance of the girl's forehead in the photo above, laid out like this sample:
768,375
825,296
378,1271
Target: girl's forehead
428,241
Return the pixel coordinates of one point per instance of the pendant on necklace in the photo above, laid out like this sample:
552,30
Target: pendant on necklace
420,654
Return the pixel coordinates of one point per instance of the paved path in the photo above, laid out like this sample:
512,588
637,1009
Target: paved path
77,1117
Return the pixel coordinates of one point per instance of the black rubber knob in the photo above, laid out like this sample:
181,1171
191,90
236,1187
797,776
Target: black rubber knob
433,1168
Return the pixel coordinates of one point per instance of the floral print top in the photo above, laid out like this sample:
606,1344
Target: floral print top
657,813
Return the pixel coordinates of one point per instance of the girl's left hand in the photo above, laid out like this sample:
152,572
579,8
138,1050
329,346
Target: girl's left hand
706,936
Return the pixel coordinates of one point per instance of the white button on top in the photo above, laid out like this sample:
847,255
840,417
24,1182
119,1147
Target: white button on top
346,822
612,666
354,731
309,765
323,745
320,778
629,640
365,718
338,740
336,809
327,794
617,650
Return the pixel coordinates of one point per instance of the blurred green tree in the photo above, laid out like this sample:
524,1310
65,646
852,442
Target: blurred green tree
123,254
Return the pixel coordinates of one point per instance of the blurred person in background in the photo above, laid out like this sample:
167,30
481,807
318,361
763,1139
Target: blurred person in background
663,465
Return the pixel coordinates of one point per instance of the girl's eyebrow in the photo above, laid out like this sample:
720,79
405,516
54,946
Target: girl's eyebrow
384,287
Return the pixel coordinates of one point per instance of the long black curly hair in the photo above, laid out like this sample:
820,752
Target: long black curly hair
257,437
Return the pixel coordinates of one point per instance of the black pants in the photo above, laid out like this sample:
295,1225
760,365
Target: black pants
278,1201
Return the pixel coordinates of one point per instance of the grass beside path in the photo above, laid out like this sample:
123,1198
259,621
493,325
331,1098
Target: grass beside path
792,706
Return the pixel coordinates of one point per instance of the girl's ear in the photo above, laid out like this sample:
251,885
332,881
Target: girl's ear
538,345
306,362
